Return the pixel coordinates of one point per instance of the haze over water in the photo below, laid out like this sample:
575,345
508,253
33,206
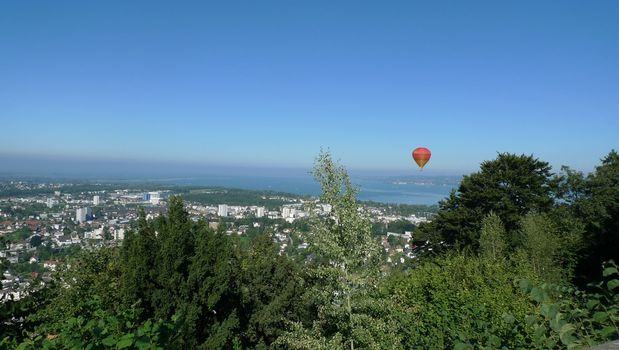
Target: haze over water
389,186
387,189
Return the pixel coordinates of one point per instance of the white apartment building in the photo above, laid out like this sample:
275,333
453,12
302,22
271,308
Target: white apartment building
259,212
222,210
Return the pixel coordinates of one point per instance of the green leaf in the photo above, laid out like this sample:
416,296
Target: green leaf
607,332
524,285
565,333
567,339
575,345
600,316
109,341
612,284
462,346
556,323
508,318
23,346
142,343
550,310
592,303
494,342
610,271
539,331
530,319
537,294
125,342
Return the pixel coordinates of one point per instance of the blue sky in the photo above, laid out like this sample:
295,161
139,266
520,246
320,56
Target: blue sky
267,83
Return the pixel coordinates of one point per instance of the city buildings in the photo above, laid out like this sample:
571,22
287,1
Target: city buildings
117,210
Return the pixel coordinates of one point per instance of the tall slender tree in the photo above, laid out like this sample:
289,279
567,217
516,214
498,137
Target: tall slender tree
174,259
211,314
139,257
540,240
270,288
492,244
344,272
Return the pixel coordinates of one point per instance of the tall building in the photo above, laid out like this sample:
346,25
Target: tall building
83,214
50,202
95,200
288,212
222,210
154,197
80,215
119,234
259,212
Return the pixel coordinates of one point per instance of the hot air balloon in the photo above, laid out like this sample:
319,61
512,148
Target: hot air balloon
421,155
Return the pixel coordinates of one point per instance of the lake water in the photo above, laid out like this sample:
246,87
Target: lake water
411,190
418,189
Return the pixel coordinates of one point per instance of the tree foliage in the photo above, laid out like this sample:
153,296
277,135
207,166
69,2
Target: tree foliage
595,202
492,240
344,273
456,299
509,186
539,239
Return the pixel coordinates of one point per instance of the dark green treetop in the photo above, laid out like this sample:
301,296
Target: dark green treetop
509,186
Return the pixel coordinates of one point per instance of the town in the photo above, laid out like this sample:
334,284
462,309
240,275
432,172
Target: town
41,223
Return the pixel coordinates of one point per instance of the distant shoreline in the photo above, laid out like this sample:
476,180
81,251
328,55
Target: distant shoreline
428,191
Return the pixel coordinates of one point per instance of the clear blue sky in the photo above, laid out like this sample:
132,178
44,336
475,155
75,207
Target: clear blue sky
267,83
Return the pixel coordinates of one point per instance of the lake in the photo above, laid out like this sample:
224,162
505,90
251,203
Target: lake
403,190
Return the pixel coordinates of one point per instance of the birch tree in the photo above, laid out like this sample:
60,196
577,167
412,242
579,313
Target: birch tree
344,273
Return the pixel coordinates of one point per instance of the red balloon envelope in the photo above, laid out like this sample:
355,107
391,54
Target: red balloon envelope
421,155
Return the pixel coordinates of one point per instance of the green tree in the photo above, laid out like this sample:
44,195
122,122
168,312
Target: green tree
510,186
15,315
571,231
540,240
456,299
400,226
177,247
211,312
86,284
346,312
270,288
107,235
35,241
139,257
596,203
492,244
